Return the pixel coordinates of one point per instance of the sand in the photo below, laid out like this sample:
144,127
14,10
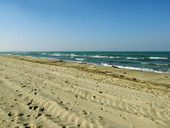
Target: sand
41,93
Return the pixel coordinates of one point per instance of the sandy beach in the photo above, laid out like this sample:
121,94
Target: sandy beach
42,93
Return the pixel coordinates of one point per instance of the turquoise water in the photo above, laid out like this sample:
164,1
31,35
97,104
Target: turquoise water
146,61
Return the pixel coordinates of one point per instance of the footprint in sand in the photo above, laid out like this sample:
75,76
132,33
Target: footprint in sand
123,117
20,114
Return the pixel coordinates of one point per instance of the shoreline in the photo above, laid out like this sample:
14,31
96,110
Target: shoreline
140,65
39,92
161,78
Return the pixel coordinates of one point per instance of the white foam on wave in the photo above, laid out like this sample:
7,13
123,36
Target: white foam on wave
139,69
73,55
145,63
79,59
132,58
114,57
44,53
61,54
135,68
163,64
98,56
158,58
56,54
105,64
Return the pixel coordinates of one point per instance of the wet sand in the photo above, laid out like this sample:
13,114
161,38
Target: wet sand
41,93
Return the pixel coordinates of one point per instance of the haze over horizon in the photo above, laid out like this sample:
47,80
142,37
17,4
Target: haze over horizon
84,25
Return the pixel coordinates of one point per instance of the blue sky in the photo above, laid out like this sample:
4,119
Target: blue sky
85,25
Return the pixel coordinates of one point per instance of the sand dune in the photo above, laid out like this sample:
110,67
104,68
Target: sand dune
39,93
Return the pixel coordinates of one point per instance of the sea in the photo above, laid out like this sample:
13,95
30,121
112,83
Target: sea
158,62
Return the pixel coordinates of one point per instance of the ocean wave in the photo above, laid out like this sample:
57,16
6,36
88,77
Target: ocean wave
129,62
79,59
114,57
132,58
136,68
163,64
44,53
61,54
56,54
139,69
159,58
105,64
98,56
73,55
155,64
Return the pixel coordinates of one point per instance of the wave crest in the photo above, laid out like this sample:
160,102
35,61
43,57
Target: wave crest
105,64
158,58
132,58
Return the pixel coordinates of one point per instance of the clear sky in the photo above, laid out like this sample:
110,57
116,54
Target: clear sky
85,25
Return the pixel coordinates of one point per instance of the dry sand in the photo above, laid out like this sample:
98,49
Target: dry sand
39,93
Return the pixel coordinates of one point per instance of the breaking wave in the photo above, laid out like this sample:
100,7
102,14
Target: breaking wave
158,58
